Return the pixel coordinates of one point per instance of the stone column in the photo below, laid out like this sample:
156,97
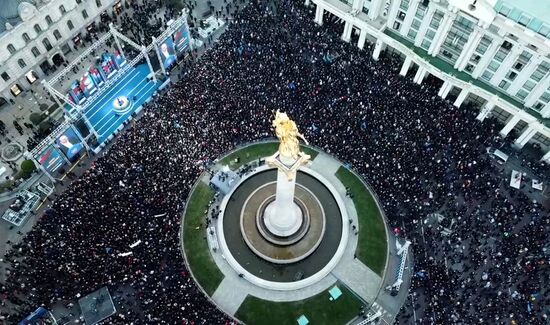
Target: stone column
546,157
348,28
486,110
411,11
424,26
506,64
362,39
468,49
486,58
525,136
392,14
319,15
406,66
358,5
525,74
441,34
377,49
420,75
539,89
509,126
375,8
445,89
461,97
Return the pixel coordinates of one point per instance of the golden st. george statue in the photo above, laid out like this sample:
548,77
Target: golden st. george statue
287,132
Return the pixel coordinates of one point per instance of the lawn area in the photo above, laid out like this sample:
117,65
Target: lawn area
371,246
196,247
256,151
318,309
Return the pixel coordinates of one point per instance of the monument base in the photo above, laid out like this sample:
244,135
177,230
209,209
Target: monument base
283,222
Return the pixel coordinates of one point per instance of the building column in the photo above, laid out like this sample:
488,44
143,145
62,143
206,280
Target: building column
486,58
357,5
377,49
424,26
445,89
420,75
468,49
525,136
486,110
375,8
392,13
362,39
525,74
348,28
539,89
406,66
441,34
307,3
546,157
506,64
409,15
461,97
545,111
319,15
509,126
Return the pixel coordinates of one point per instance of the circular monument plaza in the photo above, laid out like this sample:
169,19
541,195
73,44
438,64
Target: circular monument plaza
284,229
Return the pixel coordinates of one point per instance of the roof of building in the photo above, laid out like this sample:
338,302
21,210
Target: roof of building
533,14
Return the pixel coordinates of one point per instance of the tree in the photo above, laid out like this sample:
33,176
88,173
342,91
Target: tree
27,168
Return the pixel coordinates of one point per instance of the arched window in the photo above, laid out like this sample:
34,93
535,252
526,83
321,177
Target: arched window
22,63
49,20
35,51
70,25
57,34
11,49
26,37
62,9
37,29
47,44
84,14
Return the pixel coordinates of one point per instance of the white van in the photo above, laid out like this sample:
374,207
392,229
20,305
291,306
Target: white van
498,155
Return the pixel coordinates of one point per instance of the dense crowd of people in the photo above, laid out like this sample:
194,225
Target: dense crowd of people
421,155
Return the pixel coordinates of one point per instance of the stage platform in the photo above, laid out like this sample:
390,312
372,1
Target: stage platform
135,86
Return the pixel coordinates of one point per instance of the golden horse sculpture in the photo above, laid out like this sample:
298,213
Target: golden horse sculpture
287,132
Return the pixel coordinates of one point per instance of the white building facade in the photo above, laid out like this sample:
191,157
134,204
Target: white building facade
35,35
492,54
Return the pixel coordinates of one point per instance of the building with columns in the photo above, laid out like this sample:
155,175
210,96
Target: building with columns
493,55
36,35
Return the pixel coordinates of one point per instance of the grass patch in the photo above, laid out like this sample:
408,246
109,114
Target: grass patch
256,151
318,309
371,246
195,244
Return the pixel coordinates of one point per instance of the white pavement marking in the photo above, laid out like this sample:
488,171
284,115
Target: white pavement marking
358,276
227,297
325,164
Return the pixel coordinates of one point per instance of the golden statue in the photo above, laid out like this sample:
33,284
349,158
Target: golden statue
287,132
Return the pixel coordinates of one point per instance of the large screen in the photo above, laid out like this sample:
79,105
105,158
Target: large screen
51,159
181,38
69,143
167,53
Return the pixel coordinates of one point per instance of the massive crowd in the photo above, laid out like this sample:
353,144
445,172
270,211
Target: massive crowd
421,154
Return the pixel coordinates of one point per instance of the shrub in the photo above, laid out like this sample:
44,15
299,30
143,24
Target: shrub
36,118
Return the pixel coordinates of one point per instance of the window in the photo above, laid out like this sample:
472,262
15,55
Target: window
21,63
524,20
11,49
505,11
35,52
37,29
78,2
98,3
84,14
5,76
49,20
522,94
57,34
62,9
544,30
26,37
47,44
70,25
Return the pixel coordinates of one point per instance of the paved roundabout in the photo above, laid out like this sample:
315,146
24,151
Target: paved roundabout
247,270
